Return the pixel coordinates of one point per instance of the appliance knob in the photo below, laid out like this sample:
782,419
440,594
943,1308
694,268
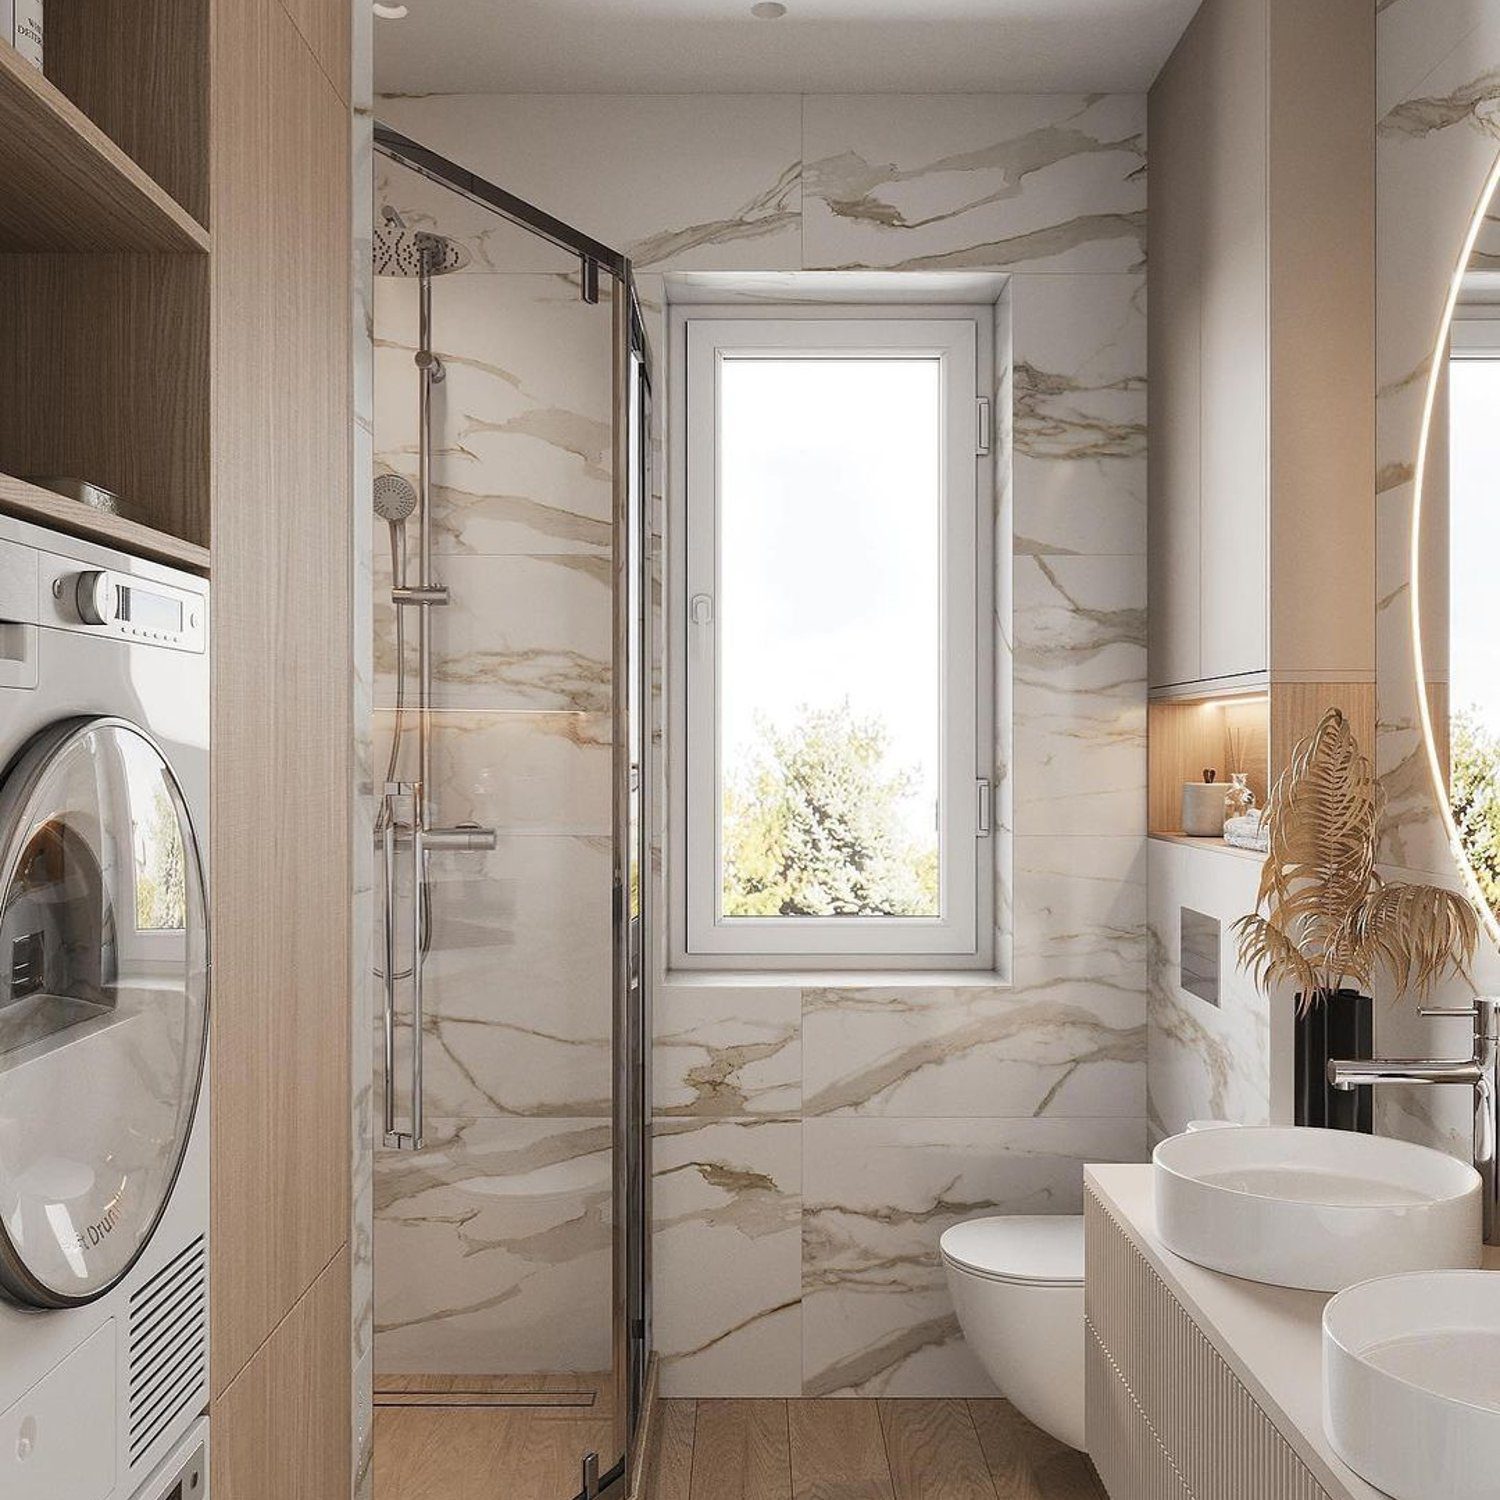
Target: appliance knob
95,597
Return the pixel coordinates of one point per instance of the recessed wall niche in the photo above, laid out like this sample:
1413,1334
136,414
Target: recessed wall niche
1187,736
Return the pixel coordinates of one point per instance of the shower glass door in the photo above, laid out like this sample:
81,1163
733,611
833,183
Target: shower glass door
509,1244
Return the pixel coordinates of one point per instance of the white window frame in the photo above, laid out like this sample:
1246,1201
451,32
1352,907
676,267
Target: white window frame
962,936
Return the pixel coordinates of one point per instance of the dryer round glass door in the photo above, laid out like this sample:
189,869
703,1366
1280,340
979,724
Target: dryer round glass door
103,1005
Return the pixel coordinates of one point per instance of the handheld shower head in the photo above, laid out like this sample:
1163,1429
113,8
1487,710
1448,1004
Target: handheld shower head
395,499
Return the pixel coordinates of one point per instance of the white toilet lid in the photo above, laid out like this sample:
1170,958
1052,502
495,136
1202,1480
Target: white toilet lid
1046,1249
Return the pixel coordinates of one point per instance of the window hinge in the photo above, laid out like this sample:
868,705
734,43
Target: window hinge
982,441
983,818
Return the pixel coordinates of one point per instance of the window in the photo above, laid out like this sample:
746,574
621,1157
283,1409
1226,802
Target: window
832,805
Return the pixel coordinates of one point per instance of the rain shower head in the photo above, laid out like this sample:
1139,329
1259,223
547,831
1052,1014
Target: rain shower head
395,499
400,251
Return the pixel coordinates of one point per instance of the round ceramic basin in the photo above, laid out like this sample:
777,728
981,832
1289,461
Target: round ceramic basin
1317,1209
1411,1383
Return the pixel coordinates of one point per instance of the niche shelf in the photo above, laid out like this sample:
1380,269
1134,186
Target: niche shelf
32,503
1185,736
65,185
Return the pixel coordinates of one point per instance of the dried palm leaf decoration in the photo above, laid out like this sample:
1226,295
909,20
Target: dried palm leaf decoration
1330,918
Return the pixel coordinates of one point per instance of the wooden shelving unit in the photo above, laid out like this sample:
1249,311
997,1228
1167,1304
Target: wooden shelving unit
32,503
105,273
65,185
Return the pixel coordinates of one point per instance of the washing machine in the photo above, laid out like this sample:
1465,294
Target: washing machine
104,993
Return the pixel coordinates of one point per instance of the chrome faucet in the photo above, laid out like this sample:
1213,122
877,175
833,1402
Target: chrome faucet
1478,1072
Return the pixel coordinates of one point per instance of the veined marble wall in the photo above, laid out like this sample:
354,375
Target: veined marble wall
1438,134
813,1140
1208,1062
492,1244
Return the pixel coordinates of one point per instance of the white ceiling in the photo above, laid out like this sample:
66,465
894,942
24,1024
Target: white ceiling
819,46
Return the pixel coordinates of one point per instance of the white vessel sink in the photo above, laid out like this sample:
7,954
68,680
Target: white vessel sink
1411,1383
1318,1209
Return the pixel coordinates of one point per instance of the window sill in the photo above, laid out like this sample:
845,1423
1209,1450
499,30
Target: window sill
837,979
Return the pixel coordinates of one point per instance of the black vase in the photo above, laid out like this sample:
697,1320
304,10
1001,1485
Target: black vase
1341,1024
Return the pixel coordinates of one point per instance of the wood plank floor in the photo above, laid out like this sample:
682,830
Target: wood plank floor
862,1450
485,1453
734,1450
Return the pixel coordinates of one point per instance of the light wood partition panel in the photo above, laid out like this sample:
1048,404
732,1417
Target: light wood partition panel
281,1430
1296,708
282,738
324,25
1321,212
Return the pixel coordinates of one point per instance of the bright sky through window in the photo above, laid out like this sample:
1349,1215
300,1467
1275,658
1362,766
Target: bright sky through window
831,575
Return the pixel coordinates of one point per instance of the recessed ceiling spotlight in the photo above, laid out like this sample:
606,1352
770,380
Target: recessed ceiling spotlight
390,12
768,10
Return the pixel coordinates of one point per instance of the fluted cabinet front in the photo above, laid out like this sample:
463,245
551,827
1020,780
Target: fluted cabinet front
1167,1417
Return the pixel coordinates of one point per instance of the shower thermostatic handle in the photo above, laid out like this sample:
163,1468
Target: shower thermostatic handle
425,596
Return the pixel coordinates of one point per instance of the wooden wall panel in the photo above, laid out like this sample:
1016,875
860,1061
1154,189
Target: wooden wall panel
281,1429
324,25
1296,708
112,355
135,67
1322,332
282,713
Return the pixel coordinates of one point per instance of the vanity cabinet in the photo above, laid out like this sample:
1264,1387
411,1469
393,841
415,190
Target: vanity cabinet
1261,319
1199,1386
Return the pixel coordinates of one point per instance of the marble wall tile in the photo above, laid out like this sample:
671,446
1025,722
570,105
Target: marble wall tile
1207,1062
1003,182
727,1052
1081,911
521,448
1079,413
540,773
731,201
517,983
517,633
493,1249
933,1052
1079,724
877,1195
728,1257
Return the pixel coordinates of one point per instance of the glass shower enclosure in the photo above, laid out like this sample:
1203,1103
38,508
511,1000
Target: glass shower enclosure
511,1152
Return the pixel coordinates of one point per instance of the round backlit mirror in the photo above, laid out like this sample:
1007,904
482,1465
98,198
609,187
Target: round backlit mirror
1455,563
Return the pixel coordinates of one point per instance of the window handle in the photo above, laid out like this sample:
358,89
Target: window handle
701,610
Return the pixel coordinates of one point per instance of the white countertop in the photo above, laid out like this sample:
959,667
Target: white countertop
1270,1336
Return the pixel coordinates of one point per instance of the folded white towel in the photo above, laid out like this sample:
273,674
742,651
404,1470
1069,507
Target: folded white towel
1250,831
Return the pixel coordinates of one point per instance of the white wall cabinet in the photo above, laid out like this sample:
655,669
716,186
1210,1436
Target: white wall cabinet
1261,291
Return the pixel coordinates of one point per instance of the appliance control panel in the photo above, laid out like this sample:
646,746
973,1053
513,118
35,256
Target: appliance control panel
102,602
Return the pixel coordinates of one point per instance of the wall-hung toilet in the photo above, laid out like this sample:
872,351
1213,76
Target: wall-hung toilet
1017,1286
